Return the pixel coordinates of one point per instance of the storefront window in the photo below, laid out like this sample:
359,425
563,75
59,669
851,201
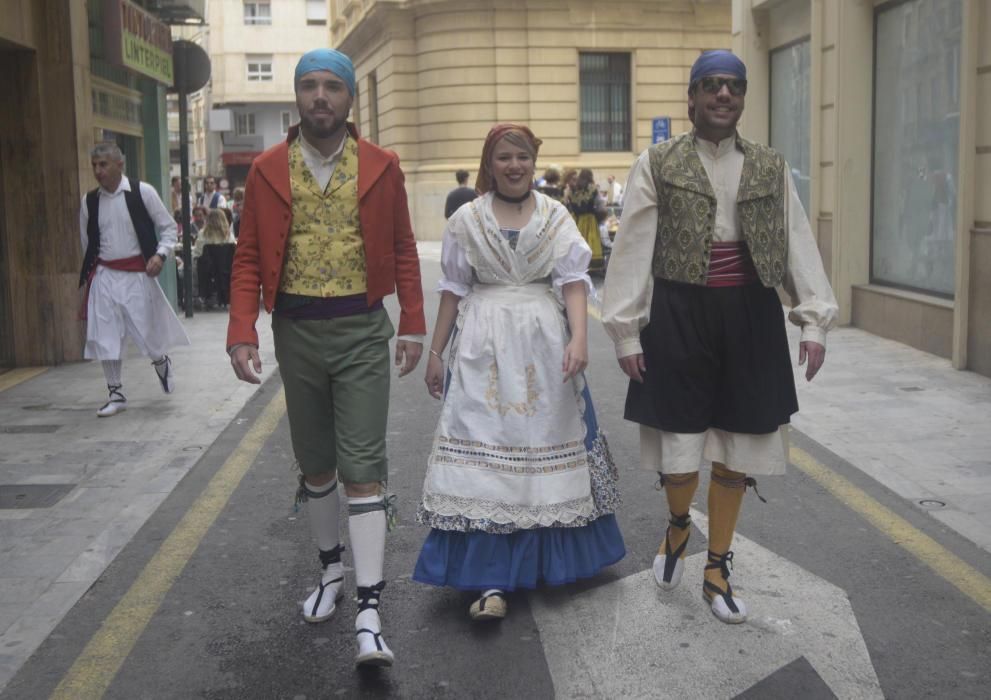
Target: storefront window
916,137
791,107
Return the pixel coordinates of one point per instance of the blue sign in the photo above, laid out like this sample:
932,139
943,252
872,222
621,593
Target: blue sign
660,129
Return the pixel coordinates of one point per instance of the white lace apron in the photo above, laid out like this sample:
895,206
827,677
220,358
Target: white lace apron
509,446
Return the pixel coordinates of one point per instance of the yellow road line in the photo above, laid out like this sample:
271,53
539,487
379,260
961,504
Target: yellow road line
99,662
11,378
971,582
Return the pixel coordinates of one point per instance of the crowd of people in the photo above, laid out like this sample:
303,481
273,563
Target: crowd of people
521,488
214,221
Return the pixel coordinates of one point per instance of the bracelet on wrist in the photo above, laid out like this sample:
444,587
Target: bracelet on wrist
436,354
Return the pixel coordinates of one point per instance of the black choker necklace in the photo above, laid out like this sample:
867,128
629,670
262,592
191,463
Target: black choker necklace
512,200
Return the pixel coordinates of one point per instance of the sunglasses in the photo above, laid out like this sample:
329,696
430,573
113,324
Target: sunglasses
712,85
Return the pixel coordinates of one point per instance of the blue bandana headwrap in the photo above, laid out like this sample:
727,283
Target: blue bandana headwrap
717,61
327,59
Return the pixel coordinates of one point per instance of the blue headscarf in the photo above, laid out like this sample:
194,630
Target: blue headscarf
717,61
327,59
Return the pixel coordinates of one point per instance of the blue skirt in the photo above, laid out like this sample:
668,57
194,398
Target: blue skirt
471,559
549,556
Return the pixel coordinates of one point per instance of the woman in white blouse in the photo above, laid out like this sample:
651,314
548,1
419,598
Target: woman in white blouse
520,486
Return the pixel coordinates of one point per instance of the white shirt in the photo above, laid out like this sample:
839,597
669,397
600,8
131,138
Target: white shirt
616,190
206,199
118,239
458,276
322,168
626,297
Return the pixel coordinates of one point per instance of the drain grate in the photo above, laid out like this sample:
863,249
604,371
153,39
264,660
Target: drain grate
32,495
23,429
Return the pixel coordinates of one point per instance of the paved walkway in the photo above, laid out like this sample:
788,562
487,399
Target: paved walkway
902,416
910,421
116,470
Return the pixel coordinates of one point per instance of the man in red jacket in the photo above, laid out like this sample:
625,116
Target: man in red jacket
325,233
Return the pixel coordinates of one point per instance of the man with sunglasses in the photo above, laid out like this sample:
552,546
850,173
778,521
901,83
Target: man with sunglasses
212,198
711,225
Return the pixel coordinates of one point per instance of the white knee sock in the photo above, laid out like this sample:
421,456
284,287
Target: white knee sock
323,508
367,526
111,370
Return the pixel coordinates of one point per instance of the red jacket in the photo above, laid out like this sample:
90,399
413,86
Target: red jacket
390,249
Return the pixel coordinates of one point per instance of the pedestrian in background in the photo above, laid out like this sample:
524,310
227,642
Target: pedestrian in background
570,182
126,234
459,195
614,192
330,328
216,232
711,224
588,210
211,198
237,203
520,486
552,185
198,222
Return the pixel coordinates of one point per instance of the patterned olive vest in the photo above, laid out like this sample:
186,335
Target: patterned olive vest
325,253
686,211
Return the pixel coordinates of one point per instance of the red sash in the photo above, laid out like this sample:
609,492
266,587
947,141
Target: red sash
133,264
730,265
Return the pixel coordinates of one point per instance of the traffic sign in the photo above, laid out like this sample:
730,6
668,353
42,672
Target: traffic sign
660,129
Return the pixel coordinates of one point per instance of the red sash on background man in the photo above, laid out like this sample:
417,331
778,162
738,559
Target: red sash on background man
135,263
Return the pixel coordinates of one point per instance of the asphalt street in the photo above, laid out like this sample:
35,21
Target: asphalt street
839,607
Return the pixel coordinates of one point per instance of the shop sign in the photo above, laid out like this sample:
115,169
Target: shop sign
112,105
136,40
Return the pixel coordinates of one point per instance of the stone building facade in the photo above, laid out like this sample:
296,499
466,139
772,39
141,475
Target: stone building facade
883,109
588,77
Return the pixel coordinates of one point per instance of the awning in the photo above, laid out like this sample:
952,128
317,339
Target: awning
239,157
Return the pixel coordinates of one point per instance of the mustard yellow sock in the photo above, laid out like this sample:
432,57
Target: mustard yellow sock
679,489
726,489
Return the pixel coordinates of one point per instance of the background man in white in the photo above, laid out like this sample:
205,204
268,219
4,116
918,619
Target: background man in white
211,197
126,239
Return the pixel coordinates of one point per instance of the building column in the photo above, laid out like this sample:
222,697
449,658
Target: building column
41,194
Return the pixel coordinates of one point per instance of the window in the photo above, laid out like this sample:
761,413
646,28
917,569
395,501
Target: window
914,188
257,13
259,67
791,106
286,121
244,124
605,101
373,108
316,12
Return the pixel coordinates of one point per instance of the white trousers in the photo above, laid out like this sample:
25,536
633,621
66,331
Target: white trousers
129,303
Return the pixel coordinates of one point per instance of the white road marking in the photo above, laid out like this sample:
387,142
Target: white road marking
629,638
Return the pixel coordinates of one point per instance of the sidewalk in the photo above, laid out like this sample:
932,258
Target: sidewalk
907,419
116,470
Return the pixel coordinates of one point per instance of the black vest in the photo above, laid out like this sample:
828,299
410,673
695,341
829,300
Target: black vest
140,219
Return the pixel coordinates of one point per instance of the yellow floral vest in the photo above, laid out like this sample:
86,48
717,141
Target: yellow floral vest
325,253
